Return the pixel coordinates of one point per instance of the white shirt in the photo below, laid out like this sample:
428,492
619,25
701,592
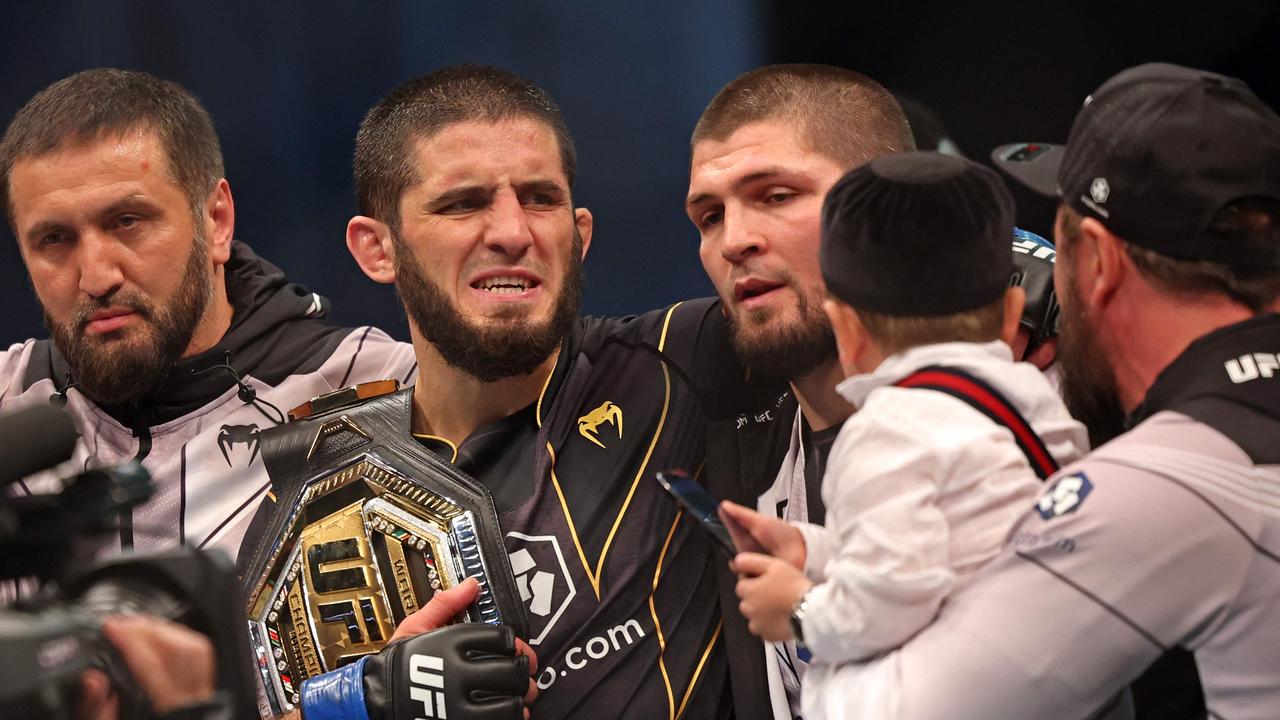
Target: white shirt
784,669
921,490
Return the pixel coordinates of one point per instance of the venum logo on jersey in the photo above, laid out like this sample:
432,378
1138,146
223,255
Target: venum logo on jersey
589,424
233,436
1065,496
543,580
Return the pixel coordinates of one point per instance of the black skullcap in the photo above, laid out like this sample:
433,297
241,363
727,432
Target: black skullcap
918,234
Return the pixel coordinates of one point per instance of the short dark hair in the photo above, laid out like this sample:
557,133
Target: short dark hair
1251,222
425,105
895,333
94,104
844,115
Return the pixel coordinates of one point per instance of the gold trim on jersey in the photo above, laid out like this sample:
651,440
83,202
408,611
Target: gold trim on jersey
666,322
657,625
644,464
573,531
423,436
693,682
594,577
537,411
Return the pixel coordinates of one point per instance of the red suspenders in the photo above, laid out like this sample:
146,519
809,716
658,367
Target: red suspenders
984,398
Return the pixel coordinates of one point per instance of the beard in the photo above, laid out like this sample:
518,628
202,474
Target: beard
789,352
112,369
509,344
1089,387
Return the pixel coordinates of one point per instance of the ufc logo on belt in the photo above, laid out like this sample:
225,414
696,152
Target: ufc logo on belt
426,685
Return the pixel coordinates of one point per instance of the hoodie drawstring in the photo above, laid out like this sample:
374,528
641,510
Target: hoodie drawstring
247,394
59,398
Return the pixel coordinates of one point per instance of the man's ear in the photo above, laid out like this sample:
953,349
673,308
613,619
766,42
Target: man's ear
1015,299
371,245
219,219
585,223
1107,263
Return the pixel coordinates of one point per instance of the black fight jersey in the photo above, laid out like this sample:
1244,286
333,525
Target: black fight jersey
619,585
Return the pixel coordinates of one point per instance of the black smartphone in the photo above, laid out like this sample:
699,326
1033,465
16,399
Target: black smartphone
693,499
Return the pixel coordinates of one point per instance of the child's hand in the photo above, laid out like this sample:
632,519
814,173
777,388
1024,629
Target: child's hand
753,532
769,589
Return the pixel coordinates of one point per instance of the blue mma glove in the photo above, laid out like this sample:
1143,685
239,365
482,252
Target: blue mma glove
461,672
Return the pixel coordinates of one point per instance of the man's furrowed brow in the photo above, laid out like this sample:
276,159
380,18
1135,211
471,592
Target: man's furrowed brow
739,183
455,194
767,173
541,185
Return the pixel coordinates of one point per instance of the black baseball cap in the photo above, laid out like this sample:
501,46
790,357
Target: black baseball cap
1155,154
917,234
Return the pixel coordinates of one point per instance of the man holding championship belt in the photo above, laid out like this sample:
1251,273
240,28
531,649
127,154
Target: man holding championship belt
464,179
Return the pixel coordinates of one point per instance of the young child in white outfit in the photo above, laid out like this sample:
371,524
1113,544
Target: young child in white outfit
922,486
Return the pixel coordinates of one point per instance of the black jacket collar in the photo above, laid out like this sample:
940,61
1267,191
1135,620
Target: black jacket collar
273,319
1202,370
1228,380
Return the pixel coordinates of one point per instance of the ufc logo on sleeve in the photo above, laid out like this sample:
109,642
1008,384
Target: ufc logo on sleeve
426,679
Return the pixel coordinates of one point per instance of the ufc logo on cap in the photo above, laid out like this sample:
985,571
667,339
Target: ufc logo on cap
426,681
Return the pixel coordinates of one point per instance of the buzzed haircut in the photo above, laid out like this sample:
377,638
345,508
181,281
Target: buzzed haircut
422,107
843,115
95,104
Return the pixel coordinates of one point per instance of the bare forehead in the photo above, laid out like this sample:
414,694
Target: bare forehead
96,165
753,149
475,150
81,178
136,146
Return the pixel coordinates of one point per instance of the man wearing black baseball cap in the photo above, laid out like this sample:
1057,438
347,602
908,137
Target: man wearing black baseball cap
1169,535
1179,165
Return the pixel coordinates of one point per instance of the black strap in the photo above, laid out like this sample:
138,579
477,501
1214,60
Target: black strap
742,461
985,399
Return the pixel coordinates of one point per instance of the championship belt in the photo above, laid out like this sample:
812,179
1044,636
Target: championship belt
368,525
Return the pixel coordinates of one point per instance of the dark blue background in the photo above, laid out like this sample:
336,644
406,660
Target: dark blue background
287,83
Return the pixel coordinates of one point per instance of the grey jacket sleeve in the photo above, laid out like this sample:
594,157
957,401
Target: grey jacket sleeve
1114,565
